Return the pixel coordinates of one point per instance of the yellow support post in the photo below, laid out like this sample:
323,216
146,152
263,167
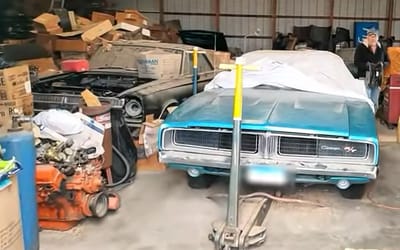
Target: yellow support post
195,70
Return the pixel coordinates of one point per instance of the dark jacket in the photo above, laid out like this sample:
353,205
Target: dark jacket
364,55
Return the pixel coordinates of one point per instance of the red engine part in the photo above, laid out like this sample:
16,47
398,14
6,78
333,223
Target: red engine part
391,107
75,65
63,200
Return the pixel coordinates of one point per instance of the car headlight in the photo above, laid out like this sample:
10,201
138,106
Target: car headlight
133,108
342,149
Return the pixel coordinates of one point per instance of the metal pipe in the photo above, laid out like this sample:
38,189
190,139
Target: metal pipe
195,70
161,11
217,9
234,182
274,14
389,23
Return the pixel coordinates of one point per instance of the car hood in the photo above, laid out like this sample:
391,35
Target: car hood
278,110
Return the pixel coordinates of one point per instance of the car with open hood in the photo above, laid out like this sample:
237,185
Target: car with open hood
113,73
305,120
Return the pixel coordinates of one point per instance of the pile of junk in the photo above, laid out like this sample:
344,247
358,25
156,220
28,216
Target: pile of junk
82,159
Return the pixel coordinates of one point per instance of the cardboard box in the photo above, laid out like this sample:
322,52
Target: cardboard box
113,35
14,82
71,55
28,104
97,31
99,16
81,21
10,108
10,218
47,23
25,102
150,164
133,17
126,27
157,64
76,45
219,57
163,34
46,41
45,66
18,41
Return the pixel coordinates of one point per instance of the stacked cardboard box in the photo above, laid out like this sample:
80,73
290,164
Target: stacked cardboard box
157,64
133,17
99,17
47,23
87,35
15,93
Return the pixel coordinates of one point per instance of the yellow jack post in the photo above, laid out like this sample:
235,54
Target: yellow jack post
233,233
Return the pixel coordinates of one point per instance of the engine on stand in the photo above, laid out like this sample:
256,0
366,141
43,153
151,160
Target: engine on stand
70,186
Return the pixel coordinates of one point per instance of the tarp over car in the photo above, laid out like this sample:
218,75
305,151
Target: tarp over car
307,70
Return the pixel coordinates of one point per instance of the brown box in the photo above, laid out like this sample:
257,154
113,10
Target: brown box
81,21
19,106
67,55
18,41
99,16
218,57
163,34
14,82
28,104
97,31
113,35
10,218
45,66
157,64
133,17
151,163
47,23
10,108
46,41
76,45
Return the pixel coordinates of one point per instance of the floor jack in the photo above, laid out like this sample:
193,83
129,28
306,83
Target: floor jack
243,227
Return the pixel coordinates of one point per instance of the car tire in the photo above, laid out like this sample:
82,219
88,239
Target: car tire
201,182
355,191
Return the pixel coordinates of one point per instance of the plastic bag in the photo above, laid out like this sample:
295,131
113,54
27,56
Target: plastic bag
60,121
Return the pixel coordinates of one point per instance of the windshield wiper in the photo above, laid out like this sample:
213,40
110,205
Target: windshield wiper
115,67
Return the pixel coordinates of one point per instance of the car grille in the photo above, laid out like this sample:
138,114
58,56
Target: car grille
217,140
297,146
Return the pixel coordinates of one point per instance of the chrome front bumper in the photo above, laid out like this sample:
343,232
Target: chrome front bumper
298,167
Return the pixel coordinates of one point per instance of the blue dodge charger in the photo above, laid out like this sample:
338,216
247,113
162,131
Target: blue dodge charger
288,136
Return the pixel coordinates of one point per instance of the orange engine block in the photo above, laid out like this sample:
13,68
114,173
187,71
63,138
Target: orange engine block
64,200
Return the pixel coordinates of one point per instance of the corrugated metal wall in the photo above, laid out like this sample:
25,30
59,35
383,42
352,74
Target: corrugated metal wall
241,17
396,23
204,22
150,7
362,10
307,12
255,16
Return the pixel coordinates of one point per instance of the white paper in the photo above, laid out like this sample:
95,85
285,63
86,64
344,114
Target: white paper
91,136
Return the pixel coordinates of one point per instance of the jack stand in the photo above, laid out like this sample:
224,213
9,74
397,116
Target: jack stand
243,228
250,231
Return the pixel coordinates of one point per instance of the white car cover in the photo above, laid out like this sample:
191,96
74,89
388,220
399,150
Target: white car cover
308,70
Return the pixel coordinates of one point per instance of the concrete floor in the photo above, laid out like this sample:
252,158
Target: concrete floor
160,212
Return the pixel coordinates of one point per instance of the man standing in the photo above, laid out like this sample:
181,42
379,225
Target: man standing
369,53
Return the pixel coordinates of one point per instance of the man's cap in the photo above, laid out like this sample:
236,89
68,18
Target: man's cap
371,32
